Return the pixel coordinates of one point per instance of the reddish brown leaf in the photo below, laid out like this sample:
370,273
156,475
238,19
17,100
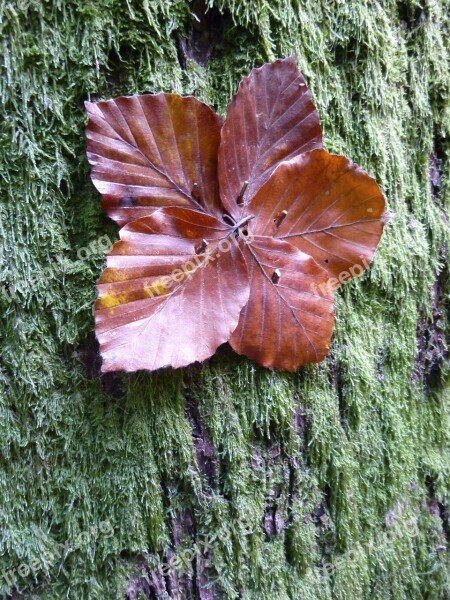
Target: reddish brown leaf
334,211
182,281
151,151
271,118
149,313
289,316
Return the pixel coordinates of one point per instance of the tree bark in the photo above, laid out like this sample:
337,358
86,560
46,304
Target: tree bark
225,480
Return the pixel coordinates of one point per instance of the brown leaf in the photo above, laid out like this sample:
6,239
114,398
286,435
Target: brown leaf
271,118
186,278
334,211
288,319
151,151
161,301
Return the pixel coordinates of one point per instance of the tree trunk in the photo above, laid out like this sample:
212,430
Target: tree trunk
225,480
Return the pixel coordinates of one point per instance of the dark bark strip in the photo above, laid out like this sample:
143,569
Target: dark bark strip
205,452
432,345
204,34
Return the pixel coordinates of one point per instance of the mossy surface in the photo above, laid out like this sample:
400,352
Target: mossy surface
332,483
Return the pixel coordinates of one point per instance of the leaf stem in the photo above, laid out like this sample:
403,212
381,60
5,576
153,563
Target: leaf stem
242,222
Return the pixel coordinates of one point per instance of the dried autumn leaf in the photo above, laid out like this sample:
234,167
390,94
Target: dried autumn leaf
161,301
262,274
270,119
286,323
334,210
151,151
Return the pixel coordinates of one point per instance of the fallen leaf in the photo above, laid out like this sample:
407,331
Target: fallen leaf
286,323
271,118
256,266
334,210
151,151
161,301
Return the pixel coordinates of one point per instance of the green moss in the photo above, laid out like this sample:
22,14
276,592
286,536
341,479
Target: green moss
329,483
